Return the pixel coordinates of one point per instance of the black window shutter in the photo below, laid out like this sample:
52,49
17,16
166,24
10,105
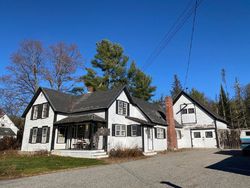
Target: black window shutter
32,112
48,133
164,133
138,130
113,130
117,107
30,138
155,132
40,109
129,130
47,115
128,111
39,135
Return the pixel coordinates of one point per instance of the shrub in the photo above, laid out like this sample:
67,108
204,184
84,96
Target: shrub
125,152
7,143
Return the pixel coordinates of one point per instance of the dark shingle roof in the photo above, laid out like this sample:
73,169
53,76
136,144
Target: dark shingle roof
153,111
202,106
81,118
6,132
140,121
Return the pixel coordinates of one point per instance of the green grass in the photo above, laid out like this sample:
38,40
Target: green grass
12,166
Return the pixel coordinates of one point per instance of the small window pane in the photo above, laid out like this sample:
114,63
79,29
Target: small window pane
44,134
184,111
209,134
133,130
45,109
122,107
35,113
197,134
191,110
34,135
247,133
160,133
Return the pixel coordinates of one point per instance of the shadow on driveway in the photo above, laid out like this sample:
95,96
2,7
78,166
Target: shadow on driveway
170,184
237,163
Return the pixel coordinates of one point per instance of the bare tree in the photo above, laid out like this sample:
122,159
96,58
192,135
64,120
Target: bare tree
64,60
23,75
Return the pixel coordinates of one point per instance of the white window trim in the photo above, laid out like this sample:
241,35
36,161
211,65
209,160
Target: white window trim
122,108
132,131
120,130
160,133
34,136
44,113
35,112
44,135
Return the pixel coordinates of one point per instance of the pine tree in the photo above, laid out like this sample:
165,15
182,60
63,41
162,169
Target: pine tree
110,70
139,83
247,103
224,105
199,96
176,87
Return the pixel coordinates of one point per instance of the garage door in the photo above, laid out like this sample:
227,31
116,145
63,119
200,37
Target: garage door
204,138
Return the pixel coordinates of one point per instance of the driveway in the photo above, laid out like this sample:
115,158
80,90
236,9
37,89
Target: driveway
193,168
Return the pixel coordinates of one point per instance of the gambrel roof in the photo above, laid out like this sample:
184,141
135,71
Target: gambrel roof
200,105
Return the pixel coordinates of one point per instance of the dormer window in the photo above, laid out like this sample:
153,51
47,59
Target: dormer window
122,108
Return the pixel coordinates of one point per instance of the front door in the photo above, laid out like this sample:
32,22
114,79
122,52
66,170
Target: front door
204,138
149,133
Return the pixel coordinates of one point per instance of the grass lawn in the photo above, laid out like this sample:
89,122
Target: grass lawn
13,165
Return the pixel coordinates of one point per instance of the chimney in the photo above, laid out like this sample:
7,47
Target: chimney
90,89
171,133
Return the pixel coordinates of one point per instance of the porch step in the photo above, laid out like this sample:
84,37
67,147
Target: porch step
81,153
149,153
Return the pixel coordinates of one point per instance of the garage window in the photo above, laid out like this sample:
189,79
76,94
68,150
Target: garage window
178,134
197,134
247,133
209,134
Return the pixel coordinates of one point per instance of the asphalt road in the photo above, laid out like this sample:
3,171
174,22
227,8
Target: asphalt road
195,168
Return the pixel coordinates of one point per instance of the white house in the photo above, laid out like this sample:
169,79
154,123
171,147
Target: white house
198,124
93,123
7,127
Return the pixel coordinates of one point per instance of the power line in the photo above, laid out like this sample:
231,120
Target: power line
179,23
191,45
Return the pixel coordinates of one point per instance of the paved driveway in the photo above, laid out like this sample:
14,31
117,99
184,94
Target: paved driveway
195,168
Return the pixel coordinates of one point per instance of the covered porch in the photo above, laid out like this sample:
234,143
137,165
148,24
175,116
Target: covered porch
80,135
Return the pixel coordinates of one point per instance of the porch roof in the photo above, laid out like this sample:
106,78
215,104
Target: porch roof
140,121
80,119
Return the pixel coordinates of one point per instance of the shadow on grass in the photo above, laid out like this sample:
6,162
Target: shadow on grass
170,184
236,163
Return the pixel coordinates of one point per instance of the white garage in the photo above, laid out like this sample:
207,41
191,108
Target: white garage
203,138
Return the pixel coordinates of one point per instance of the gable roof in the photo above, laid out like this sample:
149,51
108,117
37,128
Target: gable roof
80,118
154,112
67,103
202,106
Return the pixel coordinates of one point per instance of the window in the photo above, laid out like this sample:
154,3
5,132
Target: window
2,125
197,134
122,108
61,135
34,135
35,112
191,110
184,111
133,130
44,134
160,133
120,130
247,133
178,134
45,110
209,134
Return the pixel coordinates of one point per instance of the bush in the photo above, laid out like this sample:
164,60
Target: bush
8,143
125,152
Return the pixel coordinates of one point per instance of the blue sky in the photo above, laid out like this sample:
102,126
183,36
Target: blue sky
221,39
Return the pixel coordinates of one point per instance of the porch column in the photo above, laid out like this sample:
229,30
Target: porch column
91,135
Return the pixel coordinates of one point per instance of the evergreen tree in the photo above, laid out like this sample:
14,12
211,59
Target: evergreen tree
199,96
247,103
139,83
176,87
224,105
110,64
